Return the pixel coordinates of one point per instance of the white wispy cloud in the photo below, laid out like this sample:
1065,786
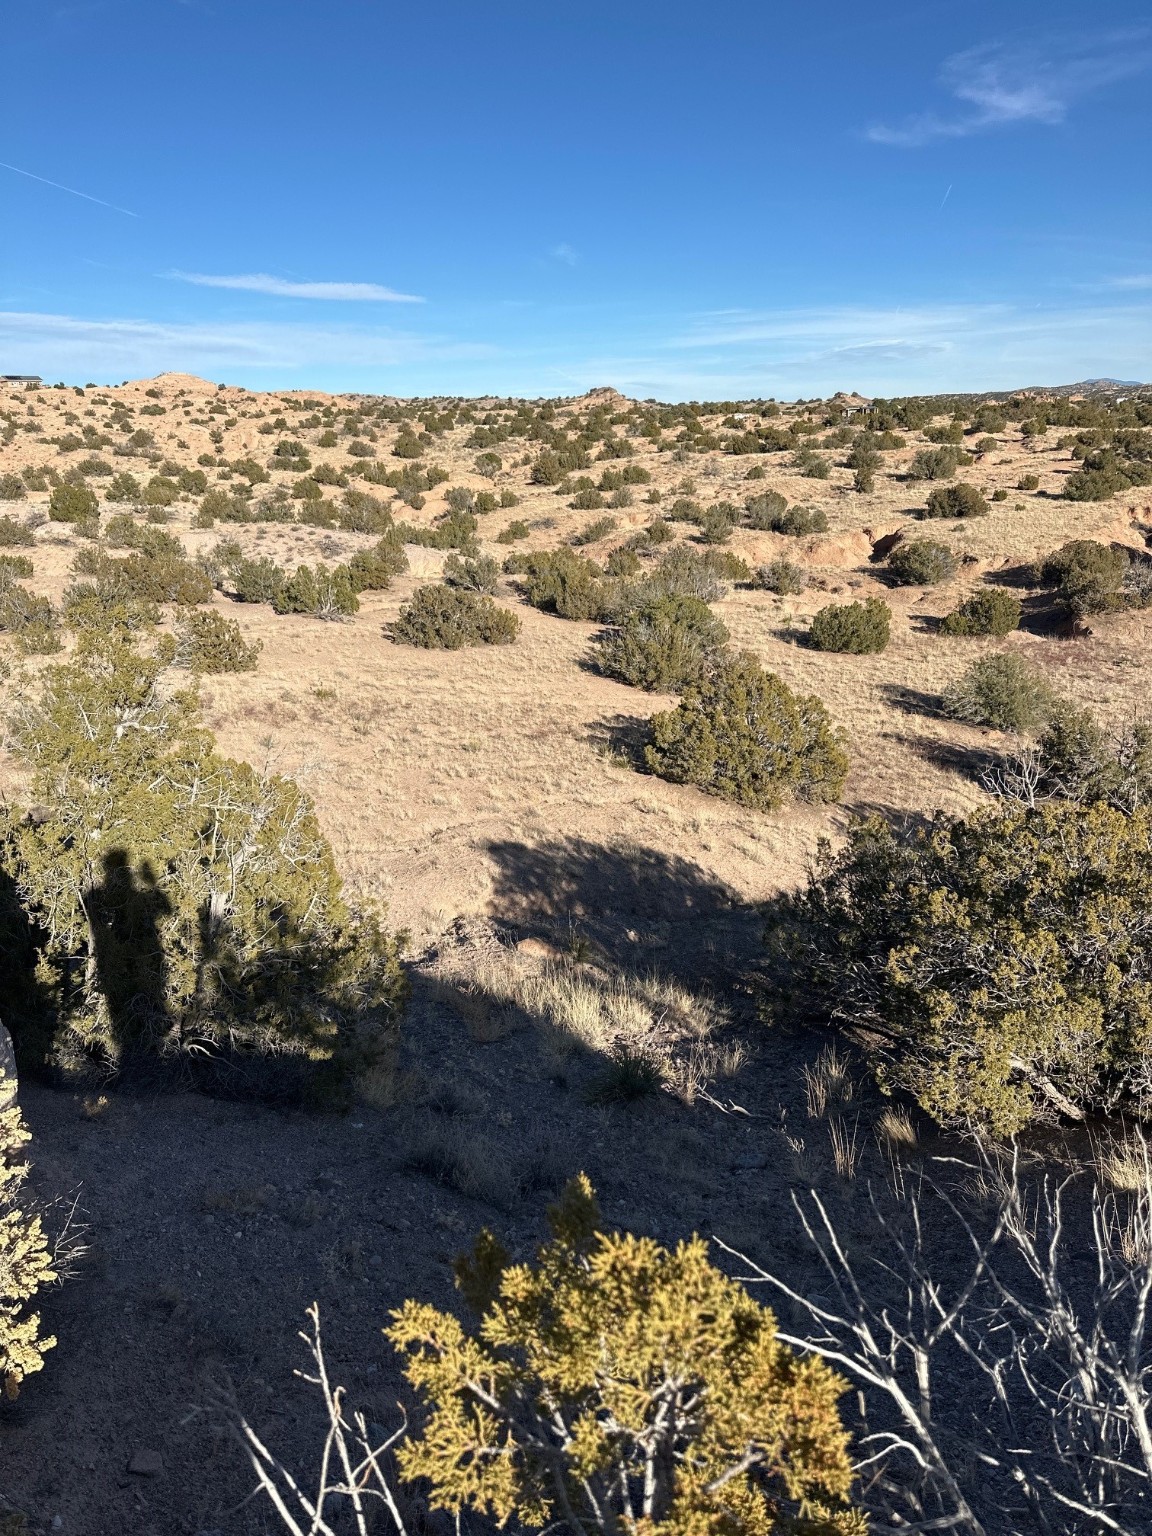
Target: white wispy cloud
1038,81
732,354
565,253
66,346
284,288
882,350
1136,281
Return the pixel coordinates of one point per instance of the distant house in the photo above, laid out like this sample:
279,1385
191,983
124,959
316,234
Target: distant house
20,378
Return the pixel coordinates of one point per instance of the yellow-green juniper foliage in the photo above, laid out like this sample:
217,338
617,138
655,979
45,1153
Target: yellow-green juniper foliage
619,1386
25,1261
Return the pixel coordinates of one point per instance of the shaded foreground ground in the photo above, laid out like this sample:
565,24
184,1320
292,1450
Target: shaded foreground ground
213,1225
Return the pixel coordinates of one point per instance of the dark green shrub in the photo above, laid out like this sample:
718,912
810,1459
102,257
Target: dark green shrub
1027,482
623,562
220,505
319,591
157,571
684,510
15,567
952,433
208,642
703,573
93,469
921,563
256,581
455,531
509,498
989,418
479,575
274,508
594,532
450,618
716,523
326,474
107,607
459,498
799,521
73,504
372,570
992,611
122,531
782,577
664,645
811,465
1089,577
160,492
934,464
546,470
1118,466
1094,484
485,502
147,943
956,501
562,582
291,456
658,532
29,619
407,446
319,514
195,482
11,488
306,489
14,535
517,529
741,734
1001,691
587,499
361,513
857,629
1075,759
998,970
1000,494
489,465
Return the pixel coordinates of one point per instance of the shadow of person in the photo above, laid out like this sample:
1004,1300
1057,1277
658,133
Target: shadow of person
125,912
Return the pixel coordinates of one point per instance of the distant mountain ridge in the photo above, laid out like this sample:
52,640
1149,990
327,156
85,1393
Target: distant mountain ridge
1084,387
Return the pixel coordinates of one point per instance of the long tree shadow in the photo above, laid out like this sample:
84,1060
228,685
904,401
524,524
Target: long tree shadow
641,908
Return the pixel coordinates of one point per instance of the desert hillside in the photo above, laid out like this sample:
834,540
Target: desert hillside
422,762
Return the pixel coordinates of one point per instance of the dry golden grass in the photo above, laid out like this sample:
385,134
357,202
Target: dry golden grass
895,1129
1125,1161
828,1083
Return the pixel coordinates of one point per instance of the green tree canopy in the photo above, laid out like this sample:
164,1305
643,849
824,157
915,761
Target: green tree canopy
167,899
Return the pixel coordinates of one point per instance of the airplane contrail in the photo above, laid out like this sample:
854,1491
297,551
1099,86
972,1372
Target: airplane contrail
946,196
60,187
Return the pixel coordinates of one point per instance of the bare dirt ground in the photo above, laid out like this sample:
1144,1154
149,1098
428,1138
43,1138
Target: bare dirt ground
484,796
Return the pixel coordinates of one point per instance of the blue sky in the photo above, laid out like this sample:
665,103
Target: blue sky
685,201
